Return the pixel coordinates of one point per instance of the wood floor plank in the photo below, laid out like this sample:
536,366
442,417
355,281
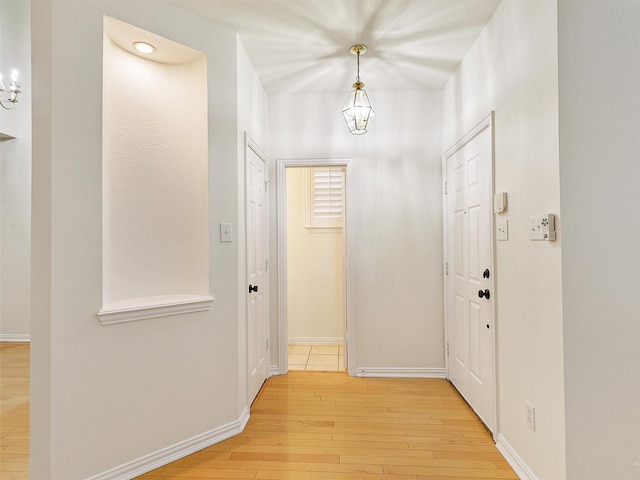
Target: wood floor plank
463,448
199,473
410,461
319,444
274,450
314,467
298,475
285,457
193,461
455,472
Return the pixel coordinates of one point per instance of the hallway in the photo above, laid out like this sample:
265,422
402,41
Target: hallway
311,425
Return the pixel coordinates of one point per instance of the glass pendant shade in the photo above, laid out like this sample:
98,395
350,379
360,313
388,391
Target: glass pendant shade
357,111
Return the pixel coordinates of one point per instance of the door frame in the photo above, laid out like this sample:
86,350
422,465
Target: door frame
486,123
348,267
250,144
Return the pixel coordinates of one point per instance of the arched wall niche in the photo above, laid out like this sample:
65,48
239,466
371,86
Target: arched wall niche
154,177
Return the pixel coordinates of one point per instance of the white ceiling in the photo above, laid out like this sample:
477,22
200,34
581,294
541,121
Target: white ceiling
303,45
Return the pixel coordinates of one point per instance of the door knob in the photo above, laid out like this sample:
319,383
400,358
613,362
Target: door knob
484,293
253,288
486,274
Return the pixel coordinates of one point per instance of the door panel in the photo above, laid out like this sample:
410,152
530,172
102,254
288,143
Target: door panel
461,332
257,311
469,251
475,365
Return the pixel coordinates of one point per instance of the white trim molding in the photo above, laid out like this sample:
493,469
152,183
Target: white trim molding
511,456
274,370
390,372
15,337
174,452
153,307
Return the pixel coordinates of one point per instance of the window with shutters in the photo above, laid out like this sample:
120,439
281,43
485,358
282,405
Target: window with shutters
325,198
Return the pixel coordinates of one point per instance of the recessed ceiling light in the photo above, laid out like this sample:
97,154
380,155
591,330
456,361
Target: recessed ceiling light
144,47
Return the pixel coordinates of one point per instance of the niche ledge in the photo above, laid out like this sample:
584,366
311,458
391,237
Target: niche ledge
152,307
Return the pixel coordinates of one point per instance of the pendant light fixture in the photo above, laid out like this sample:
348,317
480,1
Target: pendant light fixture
9,96
358,110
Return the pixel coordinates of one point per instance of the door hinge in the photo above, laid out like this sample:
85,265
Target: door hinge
445,187
266,265
267,345
446,268
447,349
266,185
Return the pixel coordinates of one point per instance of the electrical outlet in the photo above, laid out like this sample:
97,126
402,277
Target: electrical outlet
531,416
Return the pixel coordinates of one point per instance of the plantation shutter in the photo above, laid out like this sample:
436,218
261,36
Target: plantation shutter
326,197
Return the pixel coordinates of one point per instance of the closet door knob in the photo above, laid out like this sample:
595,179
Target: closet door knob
484,293
253,288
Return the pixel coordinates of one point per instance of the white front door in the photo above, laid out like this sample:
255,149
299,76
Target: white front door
469,276
257,307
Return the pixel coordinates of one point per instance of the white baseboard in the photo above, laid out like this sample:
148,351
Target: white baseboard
274,370
511,456
15,337
401,372
314,340
174,452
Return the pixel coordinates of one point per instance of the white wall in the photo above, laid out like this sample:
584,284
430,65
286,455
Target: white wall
398,226
314,270
600,180
15,174
512,69
106,395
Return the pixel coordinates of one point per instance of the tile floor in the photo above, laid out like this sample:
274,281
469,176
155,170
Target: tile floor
316,357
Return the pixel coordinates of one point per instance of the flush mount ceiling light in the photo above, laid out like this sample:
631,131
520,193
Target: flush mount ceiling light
358,110
144,47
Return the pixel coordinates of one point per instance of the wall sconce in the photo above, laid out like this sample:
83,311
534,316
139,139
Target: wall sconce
358,109
8,97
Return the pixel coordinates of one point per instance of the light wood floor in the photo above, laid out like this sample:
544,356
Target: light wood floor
329,426
307,426
14,410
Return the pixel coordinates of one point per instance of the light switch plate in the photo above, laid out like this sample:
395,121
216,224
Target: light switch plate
226,232
502,229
